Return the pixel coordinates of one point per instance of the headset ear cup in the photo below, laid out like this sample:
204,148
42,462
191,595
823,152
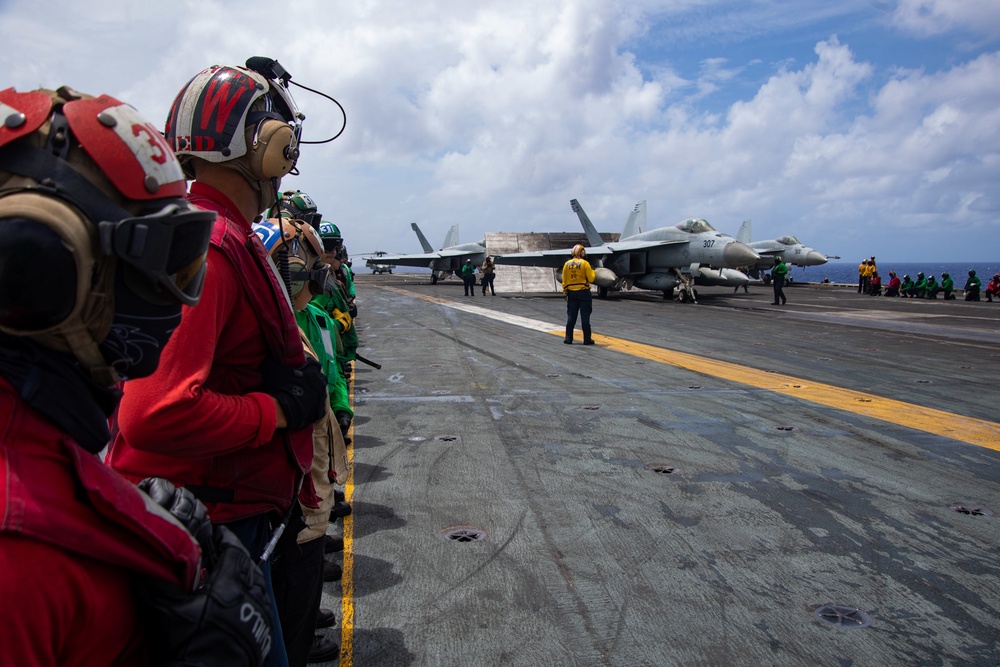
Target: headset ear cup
267,155
296,265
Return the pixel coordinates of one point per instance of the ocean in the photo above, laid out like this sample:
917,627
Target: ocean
843,272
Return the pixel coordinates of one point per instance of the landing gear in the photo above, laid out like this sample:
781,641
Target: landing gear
688,293
434,279
602,292
688,296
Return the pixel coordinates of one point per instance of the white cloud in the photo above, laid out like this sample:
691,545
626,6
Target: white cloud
935,17
493,115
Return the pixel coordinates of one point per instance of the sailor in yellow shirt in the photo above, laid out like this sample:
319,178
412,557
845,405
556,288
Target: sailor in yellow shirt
577,275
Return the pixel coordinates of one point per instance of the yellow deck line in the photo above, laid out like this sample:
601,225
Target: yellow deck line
958,427
948,424
347,579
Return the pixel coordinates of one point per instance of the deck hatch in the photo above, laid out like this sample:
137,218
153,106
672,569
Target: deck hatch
843,616
464,534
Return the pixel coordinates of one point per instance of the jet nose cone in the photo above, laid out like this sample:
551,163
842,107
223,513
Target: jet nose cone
814,258
738,254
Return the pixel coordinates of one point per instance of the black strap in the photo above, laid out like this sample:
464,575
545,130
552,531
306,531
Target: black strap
57,387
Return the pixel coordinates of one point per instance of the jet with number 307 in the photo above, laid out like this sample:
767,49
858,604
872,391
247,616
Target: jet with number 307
442,263
687,254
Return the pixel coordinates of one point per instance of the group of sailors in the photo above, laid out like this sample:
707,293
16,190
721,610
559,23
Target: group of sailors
923,287
173,369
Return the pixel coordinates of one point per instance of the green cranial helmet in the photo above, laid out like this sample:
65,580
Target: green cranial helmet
330,234
328,230
297,200
299,206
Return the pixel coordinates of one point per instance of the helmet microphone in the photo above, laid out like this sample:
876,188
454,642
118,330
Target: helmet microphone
269,67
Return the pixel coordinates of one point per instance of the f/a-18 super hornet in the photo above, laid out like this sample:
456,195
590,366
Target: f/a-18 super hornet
787,247
689,253
443,262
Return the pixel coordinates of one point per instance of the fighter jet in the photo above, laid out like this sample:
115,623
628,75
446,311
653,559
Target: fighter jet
690,253
375,262
443,262
788,247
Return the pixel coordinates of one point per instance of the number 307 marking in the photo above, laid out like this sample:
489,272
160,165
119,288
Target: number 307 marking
709,244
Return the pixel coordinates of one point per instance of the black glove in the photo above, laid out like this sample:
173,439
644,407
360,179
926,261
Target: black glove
353,310
301,392
227,621
187,509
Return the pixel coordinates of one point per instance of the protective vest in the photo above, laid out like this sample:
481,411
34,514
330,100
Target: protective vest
53,491
263,480
576,275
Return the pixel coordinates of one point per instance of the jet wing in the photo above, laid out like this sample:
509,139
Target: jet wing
550,258
556,258
772,249
631,246
423,260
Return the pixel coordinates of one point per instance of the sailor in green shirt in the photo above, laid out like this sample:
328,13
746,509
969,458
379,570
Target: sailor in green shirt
778,274
947,286
972,286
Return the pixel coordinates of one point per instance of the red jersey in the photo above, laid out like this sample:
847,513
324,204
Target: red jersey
73,537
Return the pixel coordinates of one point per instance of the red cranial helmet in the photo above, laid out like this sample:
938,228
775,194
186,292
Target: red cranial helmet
88,189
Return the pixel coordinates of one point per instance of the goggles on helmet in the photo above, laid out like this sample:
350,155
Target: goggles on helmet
168,247
332,244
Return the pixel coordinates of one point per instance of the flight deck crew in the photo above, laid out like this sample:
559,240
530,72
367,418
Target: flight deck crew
468,272
892,289
230,411
577,275
947,286
489,273
993,287
972,286
298,562
93,571
778,274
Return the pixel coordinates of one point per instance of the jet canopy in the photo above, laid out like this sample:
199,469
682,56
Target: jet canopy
695,226
788,240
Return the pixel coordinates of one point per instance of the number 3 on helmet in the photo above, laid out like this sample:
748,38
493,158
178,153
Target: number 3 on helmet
225,113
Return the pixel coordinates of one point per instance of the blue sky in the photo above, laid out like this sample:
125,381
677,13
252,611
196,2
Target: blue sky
862,127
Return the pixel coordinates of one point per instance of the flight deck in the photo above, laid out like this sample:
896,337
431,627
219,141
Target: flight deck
727,483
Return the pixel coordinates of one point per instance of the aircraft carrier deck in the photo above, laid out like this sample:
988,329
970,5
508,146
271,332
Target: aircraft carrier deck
730,483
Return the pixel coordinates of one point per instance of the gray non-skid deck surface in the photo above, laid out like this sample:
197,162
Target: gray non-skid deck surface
776,506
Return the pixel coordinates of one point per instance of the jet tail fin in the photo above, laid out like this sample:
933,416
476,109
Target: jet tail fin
636,223
593,237
423,239
745,233
451,238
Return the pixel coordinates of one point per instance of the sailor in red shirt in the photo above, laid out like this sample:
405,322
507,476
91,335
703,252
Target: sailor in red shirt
229,412
92,220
